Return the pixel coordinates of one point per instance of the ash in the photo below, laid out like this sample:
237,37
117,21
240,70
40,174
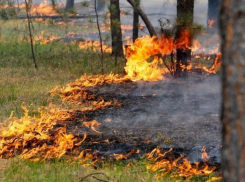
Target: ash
179,113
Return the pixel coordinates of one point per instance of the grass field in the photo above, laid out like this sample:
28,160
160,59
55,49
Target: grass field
22,84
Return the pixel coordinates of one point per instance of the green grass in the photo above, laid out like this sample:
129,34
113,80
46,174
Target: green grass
21,83
58,64
62,171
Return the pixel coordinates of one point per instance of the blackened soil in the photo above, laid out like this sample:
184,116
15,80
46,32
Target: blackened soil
178,113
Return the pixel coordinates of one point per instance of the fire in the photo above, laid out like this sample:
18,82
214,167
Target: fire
44,9
216,65
184,41
92,125
211,23
126,28
94,46
214,179
126,156
205,156
76,92
137,66
144,57
195,46
45,39
35,137
179,167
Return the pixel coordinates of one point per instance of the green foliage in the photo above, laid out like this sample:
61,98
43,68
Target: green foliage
85,4
10,12
112,8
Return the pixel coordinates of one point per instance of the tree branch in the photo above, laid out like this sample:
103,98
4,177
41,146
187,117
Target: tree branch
144,17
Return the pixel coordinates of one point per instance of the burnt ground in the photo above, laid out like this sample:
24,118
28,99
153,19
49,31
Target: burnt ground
178,113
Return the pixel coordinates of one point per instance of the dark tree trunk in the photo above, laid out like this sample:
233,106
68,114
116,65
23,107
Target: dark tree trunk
69,4
143,17
136,22
213,11
232,25
185,11
116,32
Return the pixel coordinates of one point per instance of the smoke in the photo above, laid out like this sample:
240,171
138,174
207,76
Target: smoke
173,113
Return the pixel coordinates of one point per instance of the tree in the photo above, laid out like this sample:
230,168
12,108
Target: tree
116,32
143,17
69,4
213,11
136,21
185,11
233,77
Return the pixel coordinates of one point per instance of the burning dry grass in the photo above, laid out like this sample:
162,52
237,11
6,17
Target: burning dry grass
179,167
43,9
20,136
45,135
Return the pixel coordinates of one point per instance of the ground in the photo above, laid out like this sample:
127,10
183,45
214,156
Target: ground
178,113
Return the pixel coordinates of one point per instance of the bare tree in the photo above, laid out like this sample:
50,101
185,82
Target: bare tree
143,17
101,41
136,21
233,106
116,31
213,11
29,22
185,11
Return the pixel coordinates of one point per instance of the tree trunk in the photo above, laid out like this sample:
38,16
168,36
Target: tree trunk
136,22
232,25
69,4
213,11
185,11
116,32
143,17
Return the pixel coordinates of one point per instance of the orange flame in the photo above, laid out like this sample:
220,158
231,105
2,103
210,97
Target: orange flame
210,23
184,41
45,40
44,9
94,46
181,166
137,66
205,156
92,125
216,65
35,137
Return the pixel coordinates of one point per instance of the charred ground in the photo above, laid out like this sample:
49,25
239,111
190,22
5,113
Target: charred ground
178,113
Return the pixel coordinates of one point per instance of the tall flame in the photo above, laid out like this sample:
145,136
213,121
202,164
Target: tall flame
137,66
